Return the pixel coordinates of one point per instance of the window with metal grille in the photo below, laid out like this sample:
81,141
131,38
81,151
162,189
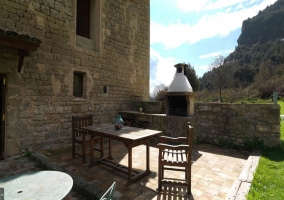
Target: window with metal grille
78,84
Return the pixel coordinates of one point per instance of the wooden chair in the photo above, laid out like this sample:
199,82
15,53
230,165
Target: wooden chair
176,158
82,137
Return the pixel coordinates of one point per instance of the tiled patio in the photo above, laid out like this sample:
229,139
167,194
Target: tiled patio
214,170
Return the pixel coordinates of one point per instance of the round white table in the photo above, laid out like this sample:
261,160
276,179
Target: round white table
37,185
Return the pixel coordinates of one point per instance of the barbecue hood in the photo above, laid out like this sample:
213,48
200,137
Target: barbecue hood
180,97
180,82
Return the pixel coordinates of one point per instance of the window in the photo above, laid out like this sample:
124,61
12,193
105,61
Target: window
88,24
78,84
105,89
83,18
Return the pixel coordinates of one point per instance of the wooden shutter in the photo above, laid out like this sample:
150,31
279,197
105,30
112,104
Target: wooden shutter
83,18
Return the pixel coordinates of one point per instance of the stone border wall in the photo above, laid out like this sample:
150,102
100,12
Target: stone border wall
238,123
173,126
221,124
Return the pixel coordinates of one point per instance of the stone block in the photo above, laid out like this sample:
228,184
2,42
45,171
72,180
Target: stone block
16,131
41,159
143,117
79,184
49,3
13,148
91,192
272,141
37,117
262,128
48,56
9,9
36,6
51,165
275,128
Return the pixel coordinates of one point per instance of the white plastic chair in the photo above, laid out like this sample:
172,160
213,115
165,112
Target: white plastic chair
109,193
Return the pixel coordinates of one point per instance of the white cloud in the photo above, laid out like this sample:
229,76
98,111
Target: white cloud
214,54
240,7
202,67
200,70
164,69
228,9
218,24
201,5
171,36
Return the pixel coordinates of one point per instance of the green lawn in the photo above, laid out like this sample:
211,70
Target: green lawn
253,101
268,179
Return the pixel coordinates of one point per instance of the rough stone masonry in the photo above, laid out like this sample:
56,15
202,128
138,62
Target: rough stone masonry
39,99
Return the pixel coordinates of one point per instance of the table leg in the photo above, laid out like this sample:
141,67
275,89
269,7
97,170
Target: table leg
129,166
109,149
102,146
131,178
91,150
147,156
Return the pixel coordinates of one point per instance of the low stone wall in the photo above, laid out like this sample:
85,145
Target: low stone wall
153,107
173,126
221,124
238,124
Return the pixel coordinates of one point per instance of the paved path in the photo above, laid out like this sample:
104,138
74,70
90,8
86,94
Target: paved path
27,164
214,172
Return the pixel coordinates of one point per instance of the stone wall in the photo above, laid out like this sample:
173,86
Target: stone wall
173,126
40,99
238,124
153,107
222,124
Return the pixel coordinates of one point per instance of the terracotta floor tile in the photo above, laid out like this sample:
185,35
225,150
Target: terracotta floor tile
214,171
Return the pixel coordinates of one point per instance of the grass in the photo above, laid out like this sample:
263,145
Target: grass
253,101
268,179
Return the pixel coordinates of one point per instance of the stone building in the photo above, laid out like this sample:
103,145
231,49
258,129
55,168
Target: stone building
59,59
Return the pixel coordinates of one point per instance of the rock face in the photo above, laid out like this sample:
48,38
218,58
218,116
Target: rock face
114,63
266,26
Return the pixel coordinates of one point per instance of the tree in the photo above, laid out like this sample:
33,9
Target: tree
220,74
191,76
159,91
245,75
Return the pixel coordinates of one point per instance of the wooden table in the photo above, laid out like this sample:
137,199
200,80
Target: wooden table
37,185
130,137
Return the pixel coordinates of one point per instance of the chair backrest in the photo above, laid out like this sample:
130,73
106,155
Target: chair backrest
109,193
189,139
78,122
189,134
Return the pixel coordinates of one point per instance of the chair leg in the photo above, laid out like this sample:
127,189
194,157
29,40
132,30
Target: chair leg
160,176
188,179
73,149
162,172
83,152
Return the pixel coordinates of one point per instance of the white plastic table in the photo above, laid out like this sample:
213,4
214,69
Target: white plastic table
42,185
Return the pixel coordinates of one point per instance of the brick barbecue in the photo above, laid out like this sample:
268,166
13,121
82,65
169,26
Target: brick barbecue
180,96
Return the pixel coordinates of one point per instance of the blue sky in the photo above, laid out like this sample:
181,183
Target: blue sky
194,31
